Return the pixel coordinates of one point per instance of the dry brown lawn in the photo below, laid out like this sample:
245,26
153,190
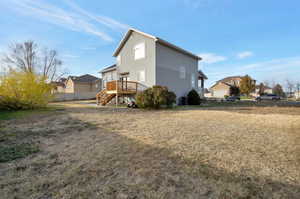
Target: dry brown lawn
89,152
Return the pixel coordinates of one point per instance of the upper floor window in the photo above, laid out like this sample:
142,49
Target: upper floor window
139,51
193,80
182,72
119,60
141,76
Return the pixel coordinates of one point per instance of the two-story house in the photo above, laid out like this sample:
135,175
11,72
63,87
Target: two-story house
143,61
222,87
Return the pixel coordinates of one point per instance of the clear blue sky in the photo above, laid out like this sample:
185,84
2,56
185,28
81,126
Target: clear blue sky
235,37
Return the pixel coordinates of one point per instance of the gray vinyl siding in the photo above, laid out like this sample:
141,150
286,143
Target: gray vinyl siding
129,64
108,76
168,63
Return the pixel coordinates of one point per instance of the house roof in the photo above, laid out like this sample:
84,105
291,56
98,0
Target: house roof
218,82
206,90
225,80
58,84
84,78
63,79
229,78
156,39
109,68
201,75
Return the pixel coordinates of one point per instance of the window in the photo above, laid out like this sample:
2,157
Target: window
114,76
141,76
193,80
139,51
182,72
119,60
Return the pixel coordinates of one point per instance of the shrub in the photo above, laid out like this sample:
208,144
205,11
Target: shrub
155,97
21,90
182,101
193,98
234,91
171,98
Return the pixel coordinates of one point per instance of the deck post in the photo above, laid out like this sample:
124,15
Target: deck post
117,99
117,88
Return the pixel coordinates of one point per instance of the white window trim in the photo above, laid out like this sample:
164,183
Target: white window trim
139,76
134,50
193,80
119,60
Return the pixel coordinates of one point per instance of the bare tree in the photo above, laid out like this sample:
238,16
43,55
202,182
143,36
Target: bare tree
22,56
261,89
28,57
51,65
277,89
267,83
290,87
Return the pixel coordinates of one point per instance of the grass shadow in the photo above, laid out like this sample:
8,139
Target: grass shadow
104,163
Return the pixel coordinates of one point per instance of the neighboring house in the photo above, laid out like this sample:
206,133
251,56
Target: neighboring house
109,74
58,87
201,79
144,60
207,93
297,94
81,84
222,87
77,87
267,90
290,94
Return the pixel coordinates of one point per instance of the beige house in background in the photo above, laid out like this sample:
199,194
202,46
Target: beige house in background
222,87
59,86
267,90
84,83
77,88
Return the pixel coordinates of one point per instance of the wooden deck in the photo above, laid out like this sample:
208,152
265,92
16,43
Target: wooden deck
116,89
122,87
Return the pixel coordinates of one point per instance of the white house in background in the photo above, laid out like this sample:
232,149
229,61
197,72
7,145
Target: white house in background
297,94
267,90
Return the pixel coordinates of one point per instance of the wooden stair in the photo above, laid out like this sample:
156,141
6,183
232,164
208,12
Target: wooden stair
103,97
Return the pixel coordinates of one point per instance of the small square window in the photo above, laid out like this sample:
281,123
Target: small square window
193,80
141,76
139,51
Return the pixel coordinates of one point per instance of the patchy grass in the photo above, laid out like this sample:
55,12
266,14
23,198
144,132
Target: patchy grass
9,153
246,103
231,152
7,115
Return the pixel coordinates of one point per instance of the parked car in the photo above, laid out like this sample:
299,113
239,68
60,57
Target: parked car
233,98
268,97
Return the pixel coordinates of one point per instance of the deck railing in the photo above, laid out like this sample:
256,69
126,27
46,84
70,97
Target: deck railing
122,86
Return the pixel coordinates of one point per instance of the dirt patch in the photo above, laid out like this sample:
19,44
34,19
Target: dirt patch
127,153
